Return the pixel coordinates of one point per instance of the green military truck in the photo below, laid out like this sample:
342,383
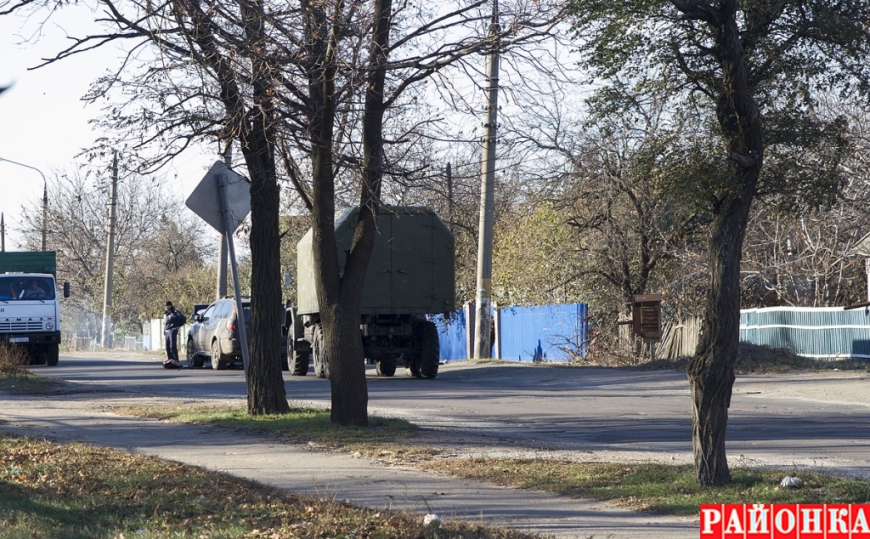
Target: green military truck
29,305
411,274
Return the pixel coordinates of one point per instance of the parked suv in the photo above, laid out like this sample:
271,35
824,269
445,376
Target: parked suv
214,334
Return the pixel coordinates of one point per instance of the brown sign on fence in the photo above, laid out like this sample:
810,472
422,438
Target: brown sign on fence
646,315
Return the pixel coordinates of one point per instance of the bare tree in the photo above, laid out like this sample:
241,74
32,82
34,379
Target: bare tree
156,248
292,78
753,69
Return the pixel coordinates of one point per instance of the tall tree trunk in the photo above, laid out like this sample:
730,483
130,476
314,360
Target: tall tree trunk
266,393
711,371
339,308
255,131
349,389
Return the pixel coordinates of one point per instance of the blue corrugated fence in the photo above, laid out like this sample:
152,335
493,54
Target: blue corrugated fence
544,333
451,335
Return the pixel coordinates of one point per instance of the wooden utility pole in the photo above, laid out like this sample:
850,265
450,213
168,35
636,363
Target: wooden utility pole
110,257
2,233
483,320
450,197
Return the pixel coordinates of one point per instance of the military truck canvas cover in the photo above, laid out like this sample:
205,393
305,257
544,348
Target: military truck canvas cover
411,271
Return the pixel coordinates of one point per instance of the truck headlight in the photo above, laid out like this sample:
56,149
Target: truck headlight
49,325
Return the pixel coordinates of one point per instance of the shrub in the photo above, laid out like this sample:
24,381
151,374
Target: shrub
12,359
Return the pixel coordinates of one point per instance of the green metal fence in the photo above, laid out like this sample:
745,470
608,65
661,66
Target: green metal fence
826,333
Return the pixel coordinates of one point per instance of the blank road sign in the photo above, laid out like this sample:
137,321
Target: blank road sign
205,199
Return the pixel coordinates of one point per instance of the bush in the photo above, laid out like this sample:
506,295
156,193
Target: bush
12,359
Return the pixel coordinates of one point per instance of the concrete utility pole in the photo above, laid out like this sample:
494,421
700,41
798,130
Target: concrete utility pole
222,240
483,318
44,213
110,257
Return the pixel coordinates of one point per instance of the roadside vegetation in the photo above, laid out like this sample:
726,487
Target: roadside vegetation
14,375
659,488
751,359
300,426
80,491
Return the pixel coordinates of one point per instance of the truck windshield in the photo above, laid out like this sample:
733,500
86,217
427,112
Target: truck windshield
25,287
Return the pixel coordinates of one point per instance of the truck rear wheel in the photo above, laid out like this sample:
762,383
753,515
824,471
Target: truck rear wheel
386,366
412,366
51,355
300,363
321,360
430,350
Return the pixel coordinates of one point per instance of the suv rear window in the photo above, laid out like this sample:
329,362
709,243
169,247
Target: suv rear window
223,309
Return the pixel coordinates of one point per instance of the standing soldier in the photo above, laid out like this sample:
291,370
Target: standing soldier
172,320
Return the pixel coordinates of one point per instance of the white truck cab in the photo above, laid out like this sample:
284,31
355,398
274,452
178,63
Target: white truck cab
30,313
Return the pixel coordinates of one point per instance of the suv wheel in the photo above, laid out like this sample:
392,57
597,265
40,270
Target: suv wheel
194,360
216,362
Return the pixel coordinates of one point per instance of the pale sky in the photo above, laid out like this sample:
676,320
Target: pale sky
44,122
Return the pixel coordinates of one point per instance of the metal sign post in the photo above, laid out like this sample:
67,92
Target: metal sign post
228,233
223,200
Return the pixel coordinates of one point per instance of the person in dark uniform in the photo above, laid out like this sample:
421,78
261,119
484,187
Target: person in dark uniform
172,320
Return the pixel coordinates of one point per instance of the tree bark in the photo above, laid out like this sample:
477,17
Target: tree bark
266,393
711,371
338,295
348,382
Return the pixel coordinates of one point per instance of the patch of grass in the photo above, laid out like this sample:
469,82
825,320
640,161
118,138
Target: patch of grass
25,382
301,425
656,488
80,491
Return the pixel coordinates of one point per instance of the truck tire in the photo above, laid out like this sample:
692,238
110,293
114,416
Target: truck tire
430,350
37,355
51,355
194,360
412,366
385,366
300,363
321,360
216,361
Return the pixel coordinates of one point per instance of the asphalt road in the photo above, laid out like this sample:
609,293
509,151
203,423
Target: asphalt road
806,419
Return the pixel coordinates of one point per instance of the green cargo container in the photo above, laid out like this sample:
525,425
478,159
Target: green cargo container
28,262
411,274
